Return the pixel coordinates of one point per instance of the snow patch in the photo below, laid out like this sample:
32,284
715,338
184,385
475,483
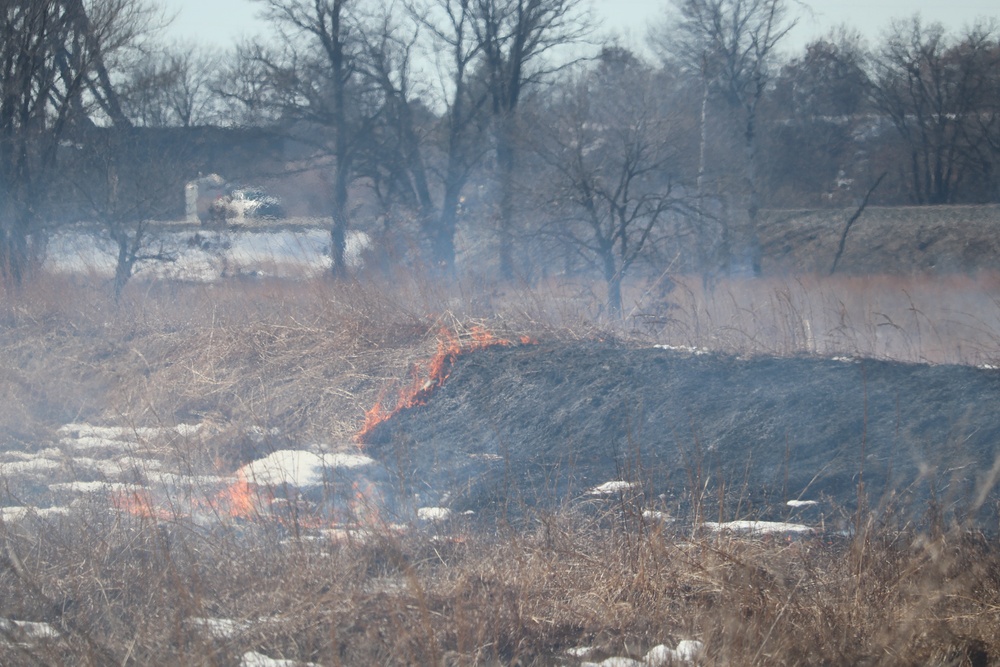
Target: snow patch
298,468
28,629
34,465
614,662
688,650
687,349
92,487
801,503
219,628
611,488
255,659
19,513
757,527
433,514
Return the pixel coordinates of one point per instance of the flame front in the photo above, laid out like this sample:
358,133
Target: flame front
238,500
138,503
426,378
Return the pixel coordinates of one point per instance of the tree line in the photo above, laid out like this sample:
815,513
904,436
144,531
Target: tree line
508,136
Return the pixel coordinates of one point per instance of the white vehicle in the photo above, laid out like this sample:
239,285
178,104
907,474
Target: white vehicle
246,202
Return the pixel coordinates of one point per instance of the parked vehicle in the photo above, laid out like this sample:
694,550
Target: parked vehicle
246,203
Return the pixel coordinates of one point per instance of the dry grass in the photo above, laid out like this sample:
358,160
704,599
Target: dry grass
128,591
946,319
301,361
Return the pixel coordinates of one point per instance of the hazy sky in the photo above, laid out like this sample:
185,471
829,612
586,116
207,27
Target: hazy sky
222,22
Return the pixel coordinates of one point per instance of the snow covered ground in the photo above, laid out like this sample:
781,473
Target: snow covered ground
204,255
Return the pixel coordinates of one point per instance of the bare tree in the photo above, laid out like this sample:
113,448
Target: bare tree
314,80
814,114
451,37
608,148
54,76
393,157
246,94
936,90
515,38
172,87
731,45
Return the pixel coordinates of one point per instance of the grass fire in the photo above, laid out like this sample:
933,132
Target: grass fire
185,481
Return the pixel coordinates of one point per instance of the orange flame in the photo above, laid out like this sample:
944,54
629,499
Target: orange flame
239,500
139,503
426,378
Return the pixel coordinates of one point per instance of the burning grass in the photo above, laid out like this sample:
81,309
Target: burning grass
426,377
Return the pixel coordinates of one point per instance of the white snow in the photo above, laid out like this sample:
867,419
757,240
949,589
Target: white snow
220,628
19,513
126,433
91,487
757,527
801,503
688,349
580,652
614,662
611,488
347,460
434,514
34,465
298,468
656,515
28,629
172,479
255,659
214,254
187,430
688,650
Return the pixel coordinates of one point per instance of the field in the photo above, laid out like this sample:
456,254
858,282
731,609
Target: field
139,526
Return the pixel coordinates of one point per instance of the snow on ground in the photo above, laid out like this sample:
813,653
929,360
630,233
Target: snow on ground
219,628
29,466
757,527
434,514
130,467
299,468
255,659
20,513
687,651
612,488
97,486
27,630
687,349
205,255
801,503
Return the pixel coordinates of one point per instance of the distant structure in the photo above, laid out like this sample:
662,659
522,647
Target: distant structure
199,195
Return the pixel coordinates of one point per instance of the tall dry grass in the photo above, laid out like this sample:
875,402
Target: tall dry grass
300,361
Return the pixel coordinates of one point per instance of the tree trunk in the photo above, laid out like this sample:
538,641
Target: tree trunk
123,267
338,230
613,277
443,236
505,165
751,251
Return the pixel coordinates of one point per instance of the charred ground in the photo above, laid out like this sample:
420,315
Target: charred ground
544,423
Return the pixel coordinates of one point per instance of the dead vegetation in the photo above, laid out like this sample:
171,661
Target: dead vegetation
267,363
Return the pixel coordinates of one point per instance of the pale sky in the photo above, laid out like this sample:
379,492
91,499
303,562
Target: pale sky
221,23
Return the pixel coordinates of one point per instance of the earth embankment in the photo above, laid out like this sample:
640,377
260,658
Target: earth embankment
546,423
